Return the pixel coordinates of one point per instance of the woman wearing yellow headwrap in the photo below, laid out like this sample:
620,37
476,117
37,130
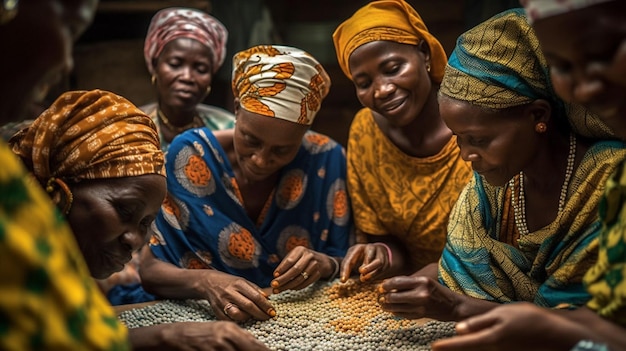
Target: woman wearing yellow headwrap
263,204
98,156
526,227
404,167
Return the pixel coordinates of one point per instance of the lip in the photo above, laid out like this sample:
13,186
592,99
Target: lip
185,94
393,105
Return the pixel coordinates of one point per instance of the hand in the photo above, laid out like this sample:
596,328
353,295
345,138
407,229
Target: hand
235,298
217,335
372,259
516,326
417,297
301,268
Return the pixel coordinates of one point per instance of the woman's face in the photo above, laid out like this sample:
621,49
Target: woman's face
499,144
391,78
264,145
183,73
586,51
37,51
110,218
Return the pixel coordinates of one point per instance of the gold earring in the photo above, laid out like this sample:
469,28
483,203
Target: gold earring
428,67
541,127
208,90
153,79
8,10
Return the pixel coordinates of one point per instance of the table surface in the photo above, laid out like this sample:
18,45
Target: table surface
325,316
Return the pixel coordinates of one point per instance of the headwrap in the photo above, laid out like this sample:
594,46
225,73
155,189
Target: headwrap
90,135
280,81
391,20
538,9
499,64
178,22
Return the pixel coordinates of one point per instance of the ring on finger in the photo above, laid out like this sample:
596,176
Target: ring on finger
228,307
304,275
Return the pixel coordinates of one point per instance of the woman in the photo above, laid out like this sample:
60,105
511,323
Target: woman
184,48
579,74
262,204
405,171
100,161
47,299
526,227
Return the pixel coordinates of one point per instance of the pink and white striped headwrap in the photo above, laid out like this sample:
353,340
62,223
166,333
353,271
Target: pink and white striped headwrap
538,9
179,22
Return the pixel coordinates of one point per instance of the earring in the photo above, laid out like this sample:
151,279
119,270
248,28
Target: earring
69,197
208,90
153,79
428,67
8,10
541,127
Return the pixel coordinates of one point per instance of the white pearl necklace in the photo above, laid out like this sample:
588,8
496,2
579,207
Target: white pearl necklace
519,210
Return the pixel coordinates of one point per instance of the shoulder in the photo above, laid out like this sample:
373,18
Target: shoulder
215,116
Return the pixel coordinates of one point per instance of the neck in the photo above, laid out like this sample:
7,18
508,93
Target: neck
176,118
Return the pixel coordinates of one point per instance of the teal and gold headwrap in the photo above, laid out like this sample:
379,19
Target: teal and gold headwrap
499,64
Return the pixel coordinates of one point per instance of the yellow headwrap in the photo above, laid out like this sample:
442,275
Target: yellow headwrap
281,82
391,20
90,135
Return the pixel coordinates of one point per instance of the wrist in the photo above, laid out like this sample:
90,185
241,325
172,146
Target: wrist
334,265
389,252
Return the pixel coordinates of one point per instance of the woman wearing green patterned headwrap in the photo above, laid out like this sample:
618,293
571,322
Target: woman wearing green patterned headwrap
525,228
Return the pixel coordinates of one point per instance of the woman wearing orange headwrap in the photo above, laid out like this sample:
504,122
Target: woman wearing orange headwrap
98,156
404,167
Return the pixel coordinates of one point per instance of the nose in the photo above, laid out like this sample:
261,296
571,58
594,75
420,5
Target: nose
467,153
185,74
260,158
382,89
588,84
135,238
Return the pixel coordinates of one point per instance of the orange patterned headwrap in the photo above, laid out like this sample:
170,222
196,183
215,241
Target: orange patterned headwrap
391,20
280,81
90,135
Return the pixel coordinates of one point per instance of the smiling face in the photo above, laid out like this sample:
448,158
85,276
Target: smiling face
498,143
391,78
183,74
264,145
110,217
586,51
39,40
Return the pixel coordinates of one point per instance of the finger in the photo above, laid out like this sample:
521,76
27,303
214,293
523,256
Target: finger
256,305
370,270
351,260
305,278
306,263
475,324
288,262
401,283
469,342
236,313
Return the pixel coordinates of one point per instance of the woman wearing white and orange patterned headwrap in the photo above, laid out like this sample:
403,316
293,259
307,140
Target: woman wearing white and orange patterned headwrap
261,205
183,50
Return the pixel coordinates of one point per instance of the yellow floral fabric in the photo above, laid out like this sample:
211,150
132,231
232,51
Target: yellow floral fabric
48,299
605,280
395,194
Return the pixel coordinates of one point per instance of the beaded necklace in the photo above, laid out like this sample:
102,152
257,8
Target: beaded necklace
166,122
519,210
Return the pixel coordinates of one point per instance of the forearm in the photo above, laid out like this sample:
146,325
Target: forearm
169,281
596,328
148,338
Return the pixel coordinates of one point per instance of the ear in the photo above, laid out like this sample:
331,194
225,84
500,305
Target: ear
540,110
236,106
424,49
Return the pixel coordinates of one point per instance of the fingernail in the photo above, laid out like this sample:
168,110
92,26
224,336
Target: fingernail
271,312
276,274
381,290
381,300
275,284
275,291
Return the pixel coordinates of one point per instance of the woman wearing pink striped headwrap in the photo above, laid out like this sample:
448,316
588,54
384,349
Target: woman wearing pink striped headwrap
183,50
584,43
261,205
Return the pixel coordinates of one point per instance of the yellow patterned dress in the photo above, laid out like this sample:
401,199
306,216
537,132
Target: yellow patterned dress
393,193
605,280
48,300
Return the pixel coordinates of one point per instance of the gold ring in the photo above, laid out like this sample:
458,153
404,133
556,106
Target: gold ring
228,307
304,275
